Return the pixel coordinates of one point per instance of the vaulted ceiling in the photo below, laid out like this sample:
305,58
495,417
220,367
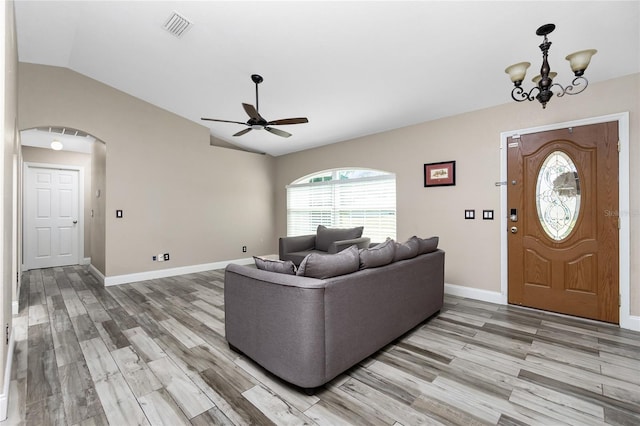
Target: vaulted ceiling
353,68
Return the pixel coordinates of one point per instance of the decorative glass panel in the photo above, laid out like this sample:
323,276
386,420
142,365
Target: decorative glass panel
558,195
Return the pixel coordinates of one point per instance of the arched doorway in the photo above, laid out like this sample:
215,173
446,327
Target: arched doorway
55,233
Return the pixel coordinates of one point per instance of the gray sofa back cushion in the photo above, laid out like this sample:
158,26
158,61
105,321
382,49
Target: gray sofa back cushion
279,266
322,266
427,245
407,250
325,236
380,255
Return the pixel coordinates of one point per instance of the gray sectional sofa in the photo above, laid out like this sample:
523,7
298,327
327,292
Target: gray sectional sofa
309,330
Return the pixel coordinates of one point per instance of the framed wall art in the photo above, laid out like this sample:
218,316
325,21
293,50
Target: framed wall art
440,174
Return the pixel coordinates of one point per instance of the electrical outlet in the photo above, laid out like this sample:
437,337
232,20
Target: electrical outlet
244,249
166,256
160,257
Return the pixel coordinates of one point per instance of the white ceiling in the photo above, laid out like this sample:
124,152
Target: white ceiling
353,68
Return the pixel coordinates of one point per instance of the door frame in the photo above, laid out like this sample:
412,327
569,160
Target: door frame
626,320
80,170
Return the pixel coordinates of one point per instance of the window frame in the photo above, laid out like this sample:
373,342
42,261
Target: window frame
379,221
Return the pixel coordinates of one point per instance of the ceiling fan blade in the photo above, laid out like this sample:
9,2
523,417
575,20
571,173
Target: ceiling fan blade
277,132
252,111
242,132
223,121
299,120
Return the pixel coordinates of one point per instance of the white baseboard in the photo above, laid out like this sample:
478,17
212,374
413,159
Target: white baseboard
94,271
475,293
164,273
628,322
4,396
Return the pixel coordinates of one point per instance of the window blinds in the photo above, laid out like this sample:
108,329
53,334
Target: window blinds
368,202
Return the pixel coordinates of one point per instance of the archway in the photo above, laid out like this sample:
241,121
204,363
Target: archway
79,150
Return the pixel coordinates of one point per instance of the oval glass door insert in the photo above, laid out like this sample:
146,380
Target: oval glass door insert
558,195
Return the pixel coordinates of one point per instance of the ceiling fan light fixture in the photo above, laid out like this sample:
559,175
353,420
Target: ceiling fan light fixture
256,121
56,145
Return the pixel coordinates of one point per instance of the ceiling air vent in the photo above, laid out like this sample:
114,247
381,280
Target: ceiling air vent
177,24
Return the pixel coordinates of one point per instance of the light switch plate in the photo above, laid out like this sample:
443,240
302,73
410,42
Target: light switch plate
469,214
119,214
487,214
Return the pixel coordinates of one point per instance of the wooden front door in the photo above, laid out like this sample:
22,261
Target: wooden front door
563,221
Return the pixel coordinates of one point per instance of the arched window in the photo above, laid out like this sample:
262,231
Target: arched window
343,198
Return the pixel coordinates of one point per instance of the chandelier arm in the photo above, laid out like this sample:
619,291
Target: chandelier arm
577,83
519,95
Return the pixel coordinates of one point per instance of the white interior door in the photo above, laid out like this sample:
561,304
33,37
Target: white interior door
51,217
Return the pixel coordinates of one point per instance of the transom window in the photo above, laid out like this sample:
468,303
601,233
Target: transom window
343,198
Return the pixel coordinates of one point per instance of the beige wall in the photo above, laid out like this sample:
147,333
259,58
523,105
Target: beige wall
67,158
473,141
202,203
9,160
178,194
98,205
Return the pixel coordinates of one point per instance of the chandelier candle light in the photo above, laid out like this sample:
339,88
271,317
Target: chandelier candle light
579,61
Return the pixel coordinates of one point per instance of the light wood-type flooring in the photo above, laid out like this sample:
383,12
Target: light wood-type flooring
154,352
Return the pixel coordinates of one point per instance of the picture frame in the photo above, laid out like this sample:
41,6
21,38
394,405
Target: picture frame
440,174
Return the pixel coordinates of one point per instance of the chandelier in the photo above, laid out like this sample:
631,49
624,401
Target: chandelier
579,61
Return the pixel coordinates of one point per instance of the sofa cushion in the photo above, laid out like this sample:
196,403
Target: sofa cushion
427,245
379,255
325,236
279,266
322,266
407,250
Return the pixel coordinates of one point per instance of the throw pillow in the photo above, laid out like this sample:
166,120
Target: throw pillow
322,266
427,245
407,250
279,266
325,236
379,255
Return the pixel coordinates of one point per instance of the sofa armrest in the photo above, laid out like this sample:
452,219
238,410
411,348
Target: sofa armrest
278,321
295,244
338,246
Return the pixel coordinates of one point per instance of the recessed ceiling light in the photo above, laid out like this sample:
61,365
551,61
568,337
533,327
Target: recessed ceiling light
56,145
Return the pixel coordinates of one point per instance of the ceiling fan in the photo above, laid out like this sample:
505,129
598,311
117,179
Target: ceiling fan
256,122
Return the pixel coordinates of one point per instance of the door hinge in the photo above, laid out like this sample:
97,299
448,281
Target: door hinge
619,300
619,223
619,147
6,332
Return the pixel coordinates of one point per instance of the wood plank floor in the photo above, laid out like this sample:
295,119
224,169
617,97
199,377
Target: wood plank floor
154,353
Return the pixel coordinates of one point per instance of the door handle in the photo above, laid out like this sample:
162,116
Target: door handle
514,229
75,221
